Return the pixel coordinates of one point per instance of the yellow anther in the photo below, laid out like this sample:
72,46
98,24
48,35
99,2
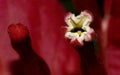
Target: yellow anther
79,32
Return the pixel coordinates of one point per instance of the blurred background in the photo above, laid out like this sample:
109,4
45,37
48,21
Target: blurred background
45,21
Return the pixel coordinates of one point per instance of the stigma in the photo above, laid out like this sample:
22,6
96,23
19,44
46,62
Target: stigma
78,28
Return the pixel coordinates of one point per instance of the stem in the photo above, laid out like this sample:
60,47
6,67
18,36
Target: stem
89,61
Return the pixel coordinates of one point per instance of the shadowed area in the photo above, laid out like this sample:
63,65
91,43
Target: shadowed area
89,60
29,63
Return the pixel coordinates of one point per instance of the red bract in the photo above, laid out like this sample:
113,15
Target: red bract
44,20
113,43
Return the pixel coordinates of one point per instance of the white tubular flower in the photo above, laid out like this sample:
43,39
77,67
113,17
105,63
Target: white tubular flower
78,28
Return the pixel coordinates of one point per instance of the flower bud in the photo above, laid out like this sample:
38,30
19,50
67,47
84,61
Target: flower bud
18,32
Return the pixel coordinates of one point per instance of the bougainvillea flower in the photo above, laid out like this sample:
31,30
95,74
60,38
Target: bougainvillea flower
44,20
78,28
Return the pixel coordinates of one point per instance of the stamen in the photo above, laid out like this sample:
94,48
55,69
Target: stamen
79,32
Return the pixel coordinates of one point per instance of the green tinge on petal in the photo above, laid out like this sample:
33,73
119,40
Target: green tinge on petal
74,24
